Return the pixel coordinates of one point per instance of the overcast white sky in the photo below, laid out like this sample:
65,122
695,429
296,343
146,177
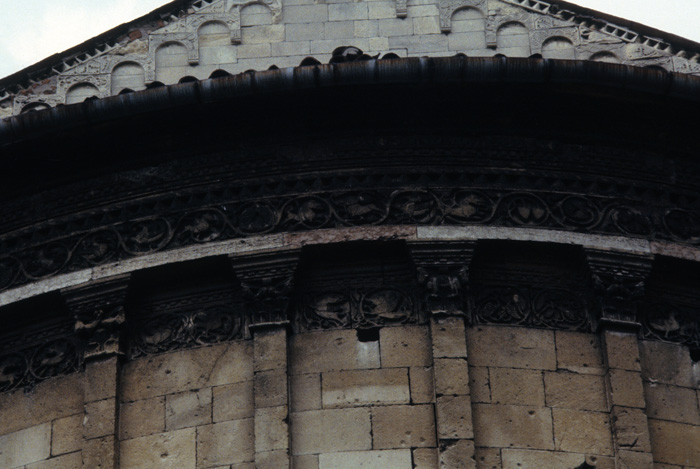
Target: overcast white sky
31,30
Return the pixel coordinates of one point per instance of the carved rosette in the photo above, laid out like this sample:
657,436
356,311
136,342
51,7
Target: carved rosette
619,282
443,275
98,309
266,283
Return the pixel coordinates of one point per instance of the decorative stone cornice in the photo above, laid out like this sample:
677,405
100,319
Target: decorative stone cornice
99,314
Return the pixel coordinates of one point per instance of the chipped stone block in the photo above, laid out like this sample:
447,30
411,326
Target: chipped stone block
457,454
67,434
422,387
188,409
671,403
425,458
451,376
405,346
323,431
622,350
631,429
100,418
582,432
271,388
449,338
579,352
271,429
504,426
395,459
510,347
25,446
315,352
576,391
516,387
172,449
355,388
226,443
270,350
675,443
454,417
232,402
403,426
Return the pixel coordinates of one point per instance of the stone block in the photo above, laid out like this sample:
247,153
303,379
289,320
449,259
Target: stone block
270,349
454,417
675,443
403,426
631,429
576,391
395,459
271,429
271,388
421,381
622,350
187,370
366,28
50,400
395,27
381,44
514,386
101,453
425,458
420,44
528,459
488,458
480,384
229,442
100,418
67,435
267,33
101,379
668,364
66,461
25,446
315,352
671,403
283,49
233,402
165,450
416,10
626,388
510,347
579,352
141,418
405,346
635,460
469,41
381,10
305,461
451,376
247,51
458,454
582,432
339,30
504,426
272,460
323,431
305,392
304,31
449,338
424,25
306,14
326,46
188,409
363,387
348,11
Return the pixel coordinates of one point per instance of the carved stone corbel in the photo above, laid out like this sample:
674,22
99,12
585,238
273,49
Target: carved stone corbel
619,282
443,275
98,309
266,282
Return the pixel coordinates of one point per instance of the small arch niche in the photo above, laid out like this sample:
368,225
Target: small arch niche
558,48
215,46
81,92
255,14
606,57
34,107
171,62
514,40
468,30
128,75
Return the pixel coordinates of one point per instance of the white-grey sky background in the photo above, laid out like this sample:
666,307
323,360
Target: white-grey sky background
31,30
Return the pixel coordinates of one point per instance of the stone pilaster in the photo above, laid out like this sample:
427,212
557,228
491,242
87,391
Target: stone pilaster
99,314
267,282
619,281
443,276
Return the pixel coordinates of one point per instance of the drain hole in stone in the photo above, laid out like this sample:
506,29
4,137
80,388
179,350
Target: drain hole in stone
368,335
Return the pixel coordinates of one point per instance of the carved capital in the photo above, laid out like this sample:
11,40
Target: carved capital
266,281
443,275
619,282
98,309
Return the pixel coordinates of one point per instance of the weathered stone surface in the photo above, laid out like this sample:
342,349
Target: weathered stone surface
626,388
101,379
188,409
425,458
405,346
66,461
528,459
576,391
579,352
141,418
480,384
25,446
323,431
671,403
582,432
622,350
315,352
631,429
234,401
101,453
675,443
226,443
422,385
271,429
356,388
403,426
272,460
395,459
506,426
510,347
454,417
451,376
516,387
305,461
305,392
270,350
100,418
449,338
668,364
67,435
187,370
635,460
171,450
488,458
457,454
271,388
